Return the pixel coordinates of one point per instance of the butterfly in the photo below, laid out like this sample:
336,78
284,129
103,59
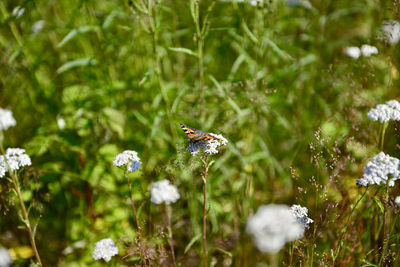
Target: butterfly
196,135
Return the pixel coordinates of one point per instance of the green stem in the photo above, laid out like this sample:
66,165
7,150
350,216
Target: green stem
387,240
17,187
205,251
382,135
171,239
139,232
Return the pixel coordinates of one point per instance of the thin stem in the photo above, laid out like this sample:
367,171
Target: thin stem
291,253
387,240
205,251
16,185
346,225
171,239
382,135
139,232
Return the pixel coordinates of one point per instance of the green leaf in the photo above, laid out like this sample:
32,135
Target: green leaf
115,120
224,251
75,32
82,62
194,239
183,50
380,205
369,263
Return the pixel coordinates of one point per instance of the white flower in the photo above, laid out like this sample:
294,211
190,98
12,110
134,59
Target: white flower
61,123
16,159
352,51
208,146
381,169
5,257
6,119
397,201
164,191
385,112
301,214
272,226
391,31
250,2
129,158
367,50
18,11
38,26
105,249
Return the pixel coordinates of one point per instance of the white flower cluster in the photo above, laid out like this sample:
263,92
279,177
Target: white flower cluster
366,51
15,158
164,191
38,26
272,226
301,214
381,169
6,119
5,257
385,112
208,146
105,249
397,201
391,31
128,158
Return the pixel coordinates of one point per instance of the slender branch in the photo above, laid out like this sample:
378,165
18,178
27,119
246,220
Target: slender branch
171,239
205,251
16,185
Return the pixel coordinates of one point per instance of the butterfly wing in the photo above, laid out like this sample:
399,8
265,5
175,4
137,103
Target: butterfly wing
191,132
196,135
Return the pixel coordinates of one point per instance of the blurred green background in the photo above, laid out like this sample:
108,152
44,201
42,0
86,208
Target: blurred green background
88,79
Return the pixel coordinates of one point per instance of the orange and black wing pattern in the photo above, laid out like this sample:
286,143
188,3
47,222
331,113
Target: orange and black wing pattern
196,135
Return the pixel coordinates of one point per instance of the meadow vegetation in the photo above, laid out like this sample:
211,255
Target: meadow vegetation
87,80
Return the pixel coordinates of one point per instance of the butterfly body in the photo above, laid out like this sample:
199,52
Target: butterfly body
196,135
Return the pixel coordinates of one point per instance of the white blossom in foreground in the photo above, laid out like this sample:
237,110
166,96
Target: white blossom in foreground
5,257
391,31
105,249
164,191
128,158
368,50
381,169
6,119
16,158
385,112
272,226
352,51
397,201
208,146
301,214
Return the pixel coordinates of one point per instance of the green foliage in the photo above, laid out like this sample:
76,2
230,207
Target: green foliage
273,79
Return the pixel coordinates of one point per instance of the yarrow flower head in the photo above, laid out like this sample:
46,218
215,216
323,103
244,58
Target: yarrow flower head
6,119
164,191
352,51
128,158
5,257
301,214
105,249
397,201
15,158
385,112
381,169
391,31
368,50
272,226
208,146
